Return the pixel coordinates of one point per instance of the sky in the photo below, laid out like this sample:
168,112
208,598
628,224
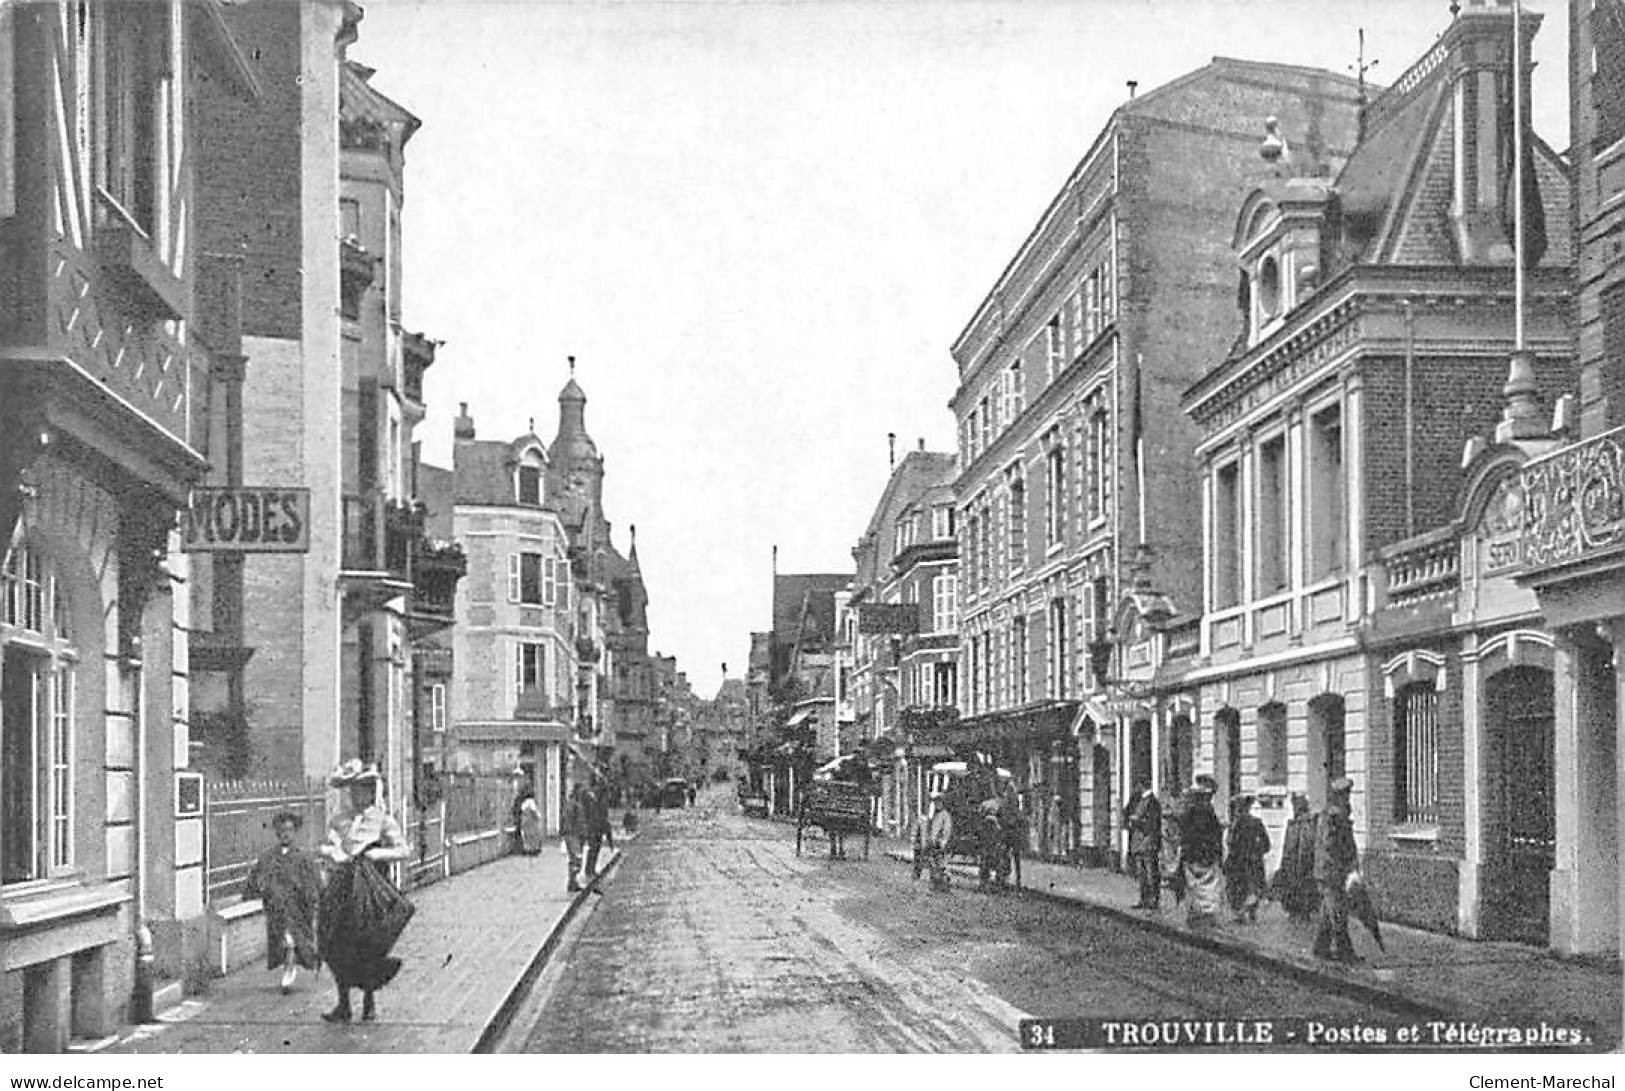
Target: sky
759,227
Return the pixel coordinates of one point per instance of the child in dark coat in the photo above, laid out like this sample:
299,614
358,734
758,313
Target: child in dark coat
288,881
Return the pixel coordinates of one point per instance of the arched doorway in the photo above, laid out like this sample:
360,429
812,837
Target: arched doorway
1326,746
1520,805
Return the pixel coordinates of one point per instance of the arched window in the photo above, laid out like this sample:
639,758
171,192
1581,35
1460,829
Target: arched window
1272,749
36,718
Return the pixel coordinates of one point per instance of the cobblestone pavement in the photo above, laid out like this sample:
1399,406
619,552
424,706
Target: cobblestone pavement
715,937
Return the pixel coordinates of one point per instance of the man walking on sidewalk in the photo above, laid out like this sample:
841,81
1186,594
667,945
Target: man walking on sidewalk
1336,858
599,828
573,826
1143,817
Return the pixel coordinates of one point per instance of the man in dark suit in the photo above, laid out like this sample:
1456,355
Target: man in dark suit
1336,858
1143,819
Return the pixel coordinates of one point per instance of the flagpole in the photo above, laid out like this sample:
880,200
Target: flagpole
1517,177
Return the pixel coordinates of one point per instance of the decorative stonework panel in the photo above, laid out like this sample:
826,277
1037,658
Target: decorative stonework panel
1574,502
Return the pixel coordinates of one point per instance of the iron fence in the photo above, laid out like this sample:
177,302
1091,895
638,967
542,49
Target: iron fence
237,825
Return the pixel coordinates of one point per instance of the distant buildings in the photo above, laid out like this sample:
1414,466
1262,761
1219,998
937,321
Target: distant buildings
898,659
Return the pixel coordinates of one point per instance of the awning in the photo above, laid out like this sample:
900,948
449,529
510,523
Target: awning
804,713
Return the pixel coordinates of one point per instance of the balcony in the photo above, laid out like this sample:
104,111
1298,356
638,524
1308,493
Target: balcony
533,704
435,568
377,552
1422,570
1574,510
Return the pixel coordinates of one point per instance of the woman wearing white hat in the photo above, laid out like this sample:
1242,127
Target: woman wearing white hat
356,933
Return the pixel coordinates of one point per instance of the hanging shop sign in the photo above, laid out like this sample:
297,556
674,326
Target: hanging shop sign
247,520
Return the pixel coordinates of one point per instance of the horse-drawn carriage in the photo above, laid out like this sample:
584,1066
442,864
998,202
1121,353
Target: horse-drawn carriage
837,807
971,793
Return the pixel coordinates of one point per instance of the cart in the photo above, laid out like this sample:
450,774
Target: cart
836,807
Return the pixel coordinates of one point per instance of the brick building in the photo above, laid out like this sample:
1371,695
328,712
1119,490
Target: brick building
1571,508
899,667
1118,299
105,392
1359,614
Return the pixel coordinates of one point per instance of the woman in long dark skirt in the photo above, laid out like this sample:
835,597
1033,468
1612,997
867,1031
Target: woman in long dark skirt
361,835
1244,864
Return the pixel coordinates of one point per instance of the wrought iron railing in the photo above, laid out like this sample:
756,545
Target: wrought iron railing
1574,502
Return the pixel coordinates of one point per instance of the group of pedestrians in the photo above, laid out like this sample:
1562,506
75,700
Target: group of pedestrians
1211,866
347,914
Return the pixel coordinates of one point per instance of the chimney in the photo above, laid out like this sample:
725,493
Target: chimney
922,443
891,450
462,429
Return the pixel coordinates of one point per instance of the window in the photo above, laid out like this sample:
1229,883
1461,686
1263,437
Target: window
1023,669
942,522
36,722
1326,492
1094,317
1226,536
1016,383
1272,749
1059,653
944,691
528,487
984,526
1272,516
975,648
1100,450
525,578
1054,347
130,45
437,707
1054,491
349,218
1016,528
945,603
985,409
1075,321
530,671
1416,753
1269,289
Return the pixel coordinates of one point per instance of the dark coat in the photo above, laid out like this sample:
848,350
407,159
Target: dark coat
1336,854
1143,817
289,884
1201,838
1294,883
1244,864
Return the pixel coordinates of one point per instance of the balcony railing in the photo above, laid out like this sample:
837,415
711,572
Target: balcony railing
1422,569
435,569
1574,503
533,704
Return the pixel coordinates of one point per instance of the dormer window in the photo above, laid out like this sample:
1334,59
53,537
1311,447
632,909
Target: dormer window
1269,287
529,485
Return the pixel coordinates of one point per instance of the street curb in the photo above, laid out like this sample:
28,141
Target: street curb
1301,970
497,1025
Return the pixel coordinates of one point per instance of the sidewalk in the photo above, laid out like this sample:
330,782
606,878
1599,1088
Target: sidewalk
1423,973
468,953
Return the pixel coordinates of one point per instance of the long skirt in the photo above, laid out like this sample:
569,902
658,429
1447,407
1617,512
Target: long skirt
1204,891
530,832
352,946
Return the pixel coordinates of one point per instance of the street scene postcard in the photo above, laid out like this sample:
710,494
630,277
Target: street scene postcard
840,527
